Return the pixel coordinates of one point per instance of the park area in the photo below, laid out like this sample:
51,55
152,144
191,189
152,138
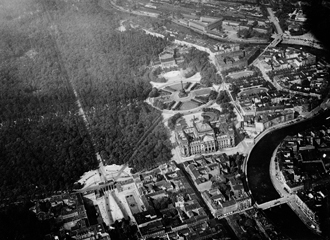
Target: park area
189,105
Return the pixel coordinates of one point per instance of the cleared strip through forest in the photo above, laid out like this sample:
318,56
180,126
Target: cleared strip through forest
142,139
80,111
69,81
128,157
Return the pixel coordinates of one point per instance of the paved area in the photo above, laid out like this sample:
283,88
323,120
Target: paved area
274,20
176,77
115,209
122,199
121,27
101,203
259,65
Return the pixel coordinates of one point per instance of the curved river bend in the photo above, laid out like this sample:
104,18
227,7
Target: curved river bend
260,184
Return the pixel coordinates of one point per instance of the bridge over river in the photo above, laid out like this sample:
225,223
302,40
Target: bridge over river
277,39
275,202
260,183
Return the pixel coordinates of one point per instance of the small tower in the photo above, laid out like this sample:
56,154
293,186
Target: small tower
182,92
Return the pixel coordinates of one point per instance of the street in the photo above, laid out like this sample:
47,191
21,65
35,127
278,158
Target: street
198,194
274,20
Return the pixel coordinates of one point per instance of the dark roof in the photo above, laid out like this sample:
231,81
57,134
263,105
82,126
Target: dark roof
145,217
192,206
152,228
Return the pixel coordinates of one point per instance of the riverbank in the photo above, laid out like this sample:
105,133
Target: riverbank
260,183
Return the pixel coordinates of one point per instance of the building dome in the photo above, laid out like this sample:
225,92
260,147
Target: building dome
208,138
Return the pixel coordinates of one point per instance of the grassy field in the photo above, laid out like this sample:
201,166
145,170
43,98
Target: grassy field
203,91
189,105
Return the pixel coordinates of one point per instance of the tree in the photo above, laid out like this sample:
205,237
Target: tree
244,33
161,203
199,61
226,107
157,71
168,36
283,23
45,143
206,82
213,95
159,104
172,120
222,98
239,159
154,93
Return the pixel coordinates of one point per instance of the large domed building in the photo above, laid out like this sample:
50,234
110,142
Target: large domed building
203,137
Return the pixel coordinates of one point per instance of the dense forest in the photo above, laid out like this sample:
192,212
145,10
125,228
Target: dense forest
111,83
44,145
51,49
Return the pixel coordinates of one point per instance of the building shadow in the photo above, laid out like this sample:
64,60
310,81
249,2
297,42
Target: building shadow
318,20
318,23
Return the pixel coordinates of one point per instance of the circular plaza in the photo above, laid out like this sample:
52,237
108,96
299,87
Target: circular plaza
180,93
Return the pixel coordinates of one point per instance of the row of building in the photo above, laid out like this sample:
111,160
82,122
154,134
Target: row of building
262,121
240,24
68,211
172,209
305,157
263,103
302,162
295,71
204,137
219,25
285,58
237,58
221,187
171,57
161,203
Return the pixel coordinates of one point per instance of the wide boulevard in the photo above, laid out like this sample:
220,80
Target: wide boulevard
259,179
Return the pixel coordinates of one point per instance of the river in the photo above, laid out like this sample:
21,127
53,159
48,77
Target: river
260,183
